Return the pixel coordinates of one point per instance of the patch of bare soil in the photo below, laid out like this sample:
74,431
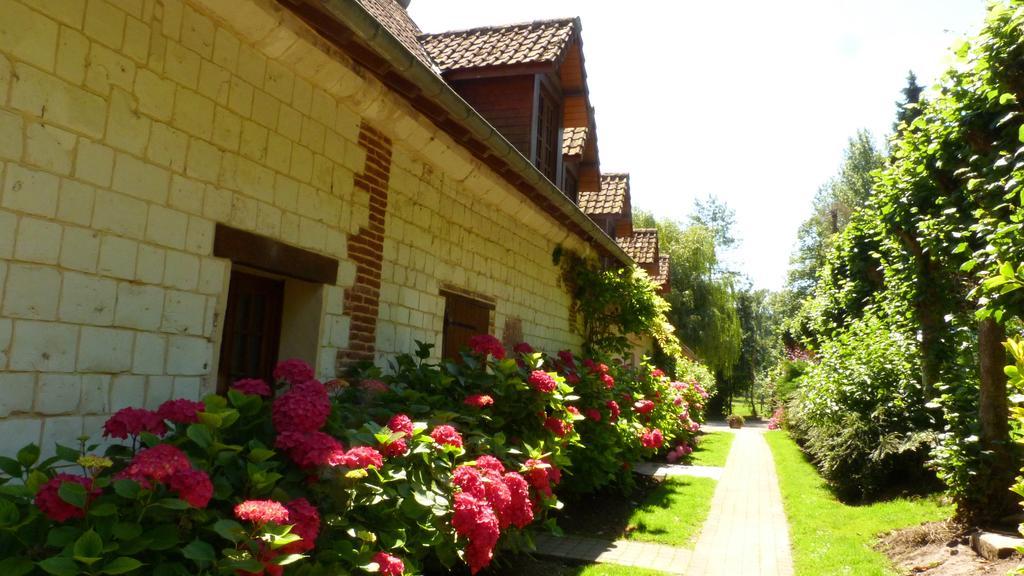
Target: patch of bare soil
940,549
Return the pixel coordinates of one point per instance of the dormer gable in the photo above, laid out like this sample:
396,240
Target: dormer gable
528,81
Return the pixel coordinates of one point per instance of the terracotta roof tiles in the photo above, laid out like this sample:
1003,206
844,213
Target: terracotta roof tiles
611,199
642,246
397,21
528,43
574,139
663,270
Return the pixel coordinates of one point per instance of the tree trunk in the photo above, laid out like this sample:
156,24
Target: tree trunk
998,466
931,323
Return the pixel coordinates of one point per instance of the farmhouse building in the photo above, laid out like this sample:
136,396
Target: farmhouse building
193,189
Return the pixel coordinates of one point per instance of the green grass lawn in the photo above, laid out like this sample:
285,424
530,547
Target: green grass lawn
670,512
713,449
742,407
673,513
526,566
832,538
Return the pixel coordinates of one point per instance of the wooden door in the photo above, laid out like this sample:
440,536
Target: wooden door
252,329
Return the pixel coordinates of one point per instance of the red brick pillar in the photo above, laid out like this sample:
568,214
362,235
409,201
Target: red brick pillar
366,249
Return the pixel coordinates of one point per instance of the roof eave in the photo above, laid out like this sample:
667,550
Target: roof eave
435,98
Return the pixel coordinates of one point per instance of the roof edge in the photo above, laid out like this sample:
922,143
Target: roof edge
568,19
374,35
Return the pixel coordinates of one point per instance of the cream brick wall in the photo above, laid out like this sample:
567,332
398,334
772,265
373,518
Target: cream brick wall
128,129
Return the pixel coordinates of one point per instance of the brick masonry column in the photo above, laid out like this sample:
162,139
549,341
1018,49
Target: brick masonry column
366,250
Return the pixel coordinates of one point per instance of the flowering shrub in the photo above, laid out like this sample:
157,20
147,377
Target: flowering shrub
434,464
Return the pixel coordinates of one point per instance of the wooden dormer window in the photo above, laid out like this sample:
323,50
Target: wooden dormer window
548,148
570,182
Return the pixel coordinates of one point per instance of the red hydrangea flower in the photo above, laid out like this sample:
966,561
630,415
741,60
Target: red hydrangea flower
252,386
132,422
180,411
523,348
572,378
572,410
520,509
491,463
401,423
389,565
542,474
446,435
557,426
469,480
306,522
541,381
499,497
394,448
310,449
362,457
478,400
373,387
652,439
593,414
293,371
608,380
303,408
261,512
566,357
192,486
157,463
484,344
475,520
643,406
50,503
658,373
613,407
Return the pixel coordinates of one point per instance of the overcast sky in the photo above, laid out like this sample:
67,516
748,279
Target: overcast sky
750,100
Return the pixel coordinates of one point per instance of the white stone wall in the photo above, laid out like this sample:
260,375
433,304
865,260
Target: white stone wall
128,128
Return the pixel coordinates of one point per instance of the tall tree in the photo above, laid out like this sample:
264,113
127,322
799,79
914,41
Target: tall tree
908,108
702,296
834,205
718,217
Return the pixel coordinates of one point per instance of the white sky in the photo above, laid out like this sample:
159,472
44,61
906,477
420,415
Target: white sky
750,100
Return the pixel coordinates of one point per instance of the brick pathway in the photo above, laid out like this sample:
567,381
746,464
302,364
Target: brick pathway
746,533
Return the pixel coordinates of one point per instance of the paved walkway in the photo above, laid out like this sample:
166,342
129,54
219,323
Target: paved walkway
660,471
746,533
667,559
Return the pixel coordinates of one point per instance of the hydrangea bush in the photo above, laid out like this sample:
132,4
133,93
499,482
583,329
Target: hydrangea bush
432,465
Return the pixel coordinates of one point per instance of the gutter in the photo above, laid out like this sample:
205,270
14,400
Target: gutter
374,47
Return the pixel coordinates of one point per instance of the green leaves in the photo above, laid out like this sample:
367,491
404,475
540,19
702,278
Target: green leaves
73,493
28,455
59,566
121,565
230,530
199,551
88,548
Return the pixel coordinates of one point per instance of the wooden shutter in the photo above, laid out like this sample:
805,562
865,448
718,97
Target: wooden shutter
252,329
463,319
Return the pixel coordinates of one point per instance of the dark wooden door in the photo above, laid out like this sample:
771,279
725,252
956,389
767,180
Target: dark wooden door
463,319
252,329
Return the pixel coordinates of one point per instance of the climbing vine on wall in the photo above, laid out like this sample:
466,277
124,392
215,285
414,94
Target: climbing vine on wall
610,303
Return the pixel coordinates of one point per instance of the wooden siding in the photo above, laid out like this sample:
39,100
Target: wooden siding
507,103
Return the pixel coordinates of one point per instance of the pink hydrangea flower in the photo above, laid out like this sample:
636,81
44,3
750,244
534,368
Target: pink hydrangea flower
252,386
